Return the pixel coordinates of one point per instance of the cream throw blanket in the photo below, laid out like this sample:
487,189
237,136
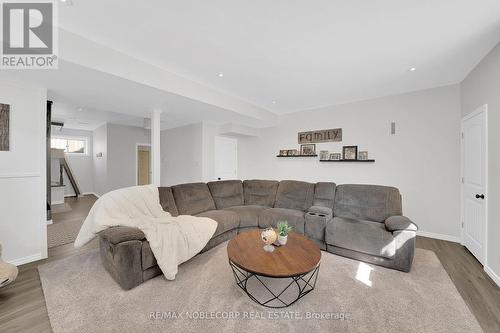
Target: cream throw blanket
173,240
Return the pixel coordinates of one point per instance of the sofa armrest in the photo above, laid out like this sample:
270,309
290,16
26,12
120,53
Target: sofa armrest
117,235
321,211
398,223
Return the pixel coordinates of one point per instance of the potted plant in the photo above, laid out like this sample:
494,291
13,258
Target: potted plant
283,230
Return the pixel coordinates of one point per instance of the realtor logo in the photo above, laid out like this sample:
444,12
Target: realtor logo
29,39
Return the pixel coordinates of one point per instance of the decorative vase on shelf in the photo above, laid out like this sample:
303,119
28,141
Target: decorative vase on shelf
283,230
268,237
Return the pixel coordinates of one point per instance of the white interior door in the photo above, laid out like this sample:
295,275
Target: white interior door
226,158
474,182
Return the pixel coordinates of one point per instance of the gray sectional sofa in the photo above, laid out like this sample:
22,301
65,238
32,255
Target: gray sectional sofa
362,222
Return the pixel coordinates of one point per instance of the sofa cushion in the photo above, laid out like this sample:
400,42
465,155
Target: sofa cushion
270,217
260,192
367,202
226,220
227,193
167,201
324,194
249,215
193,198
294,194
362,236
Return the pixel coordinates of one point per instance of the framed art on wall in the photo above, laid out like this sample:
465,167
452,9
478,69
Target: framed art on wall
363,155
350,152
324,154
4,127
335,156
309,149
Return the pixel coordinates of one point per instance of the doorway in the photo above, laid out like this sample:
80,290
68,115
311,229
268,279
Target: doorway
475,182
143,165
225,158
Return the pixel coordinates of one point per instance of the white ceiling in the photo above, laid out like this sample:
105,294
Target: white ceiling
301,54
108,98
75,117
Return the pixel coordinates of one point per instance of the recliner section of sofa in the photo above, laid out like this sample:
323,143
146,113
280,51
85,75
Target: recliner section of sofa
368,225
363,222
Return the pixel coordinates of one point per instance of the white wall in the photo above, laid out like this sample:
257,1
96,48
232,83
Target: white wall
187,153
82,165
122,154
117,168
482,86
182,155
209,132
422,159
100,145
23,229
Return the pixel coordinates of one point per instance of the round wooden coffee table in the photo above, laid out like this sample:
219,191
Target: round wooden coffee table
274,279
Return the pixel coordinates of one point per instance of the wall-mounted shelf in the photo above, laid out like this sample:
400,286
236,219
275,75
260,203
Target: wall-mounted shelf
296,155
362,161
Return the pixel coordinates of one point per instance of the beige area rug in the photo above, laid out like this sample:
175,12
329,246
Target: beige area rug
82,297
63,232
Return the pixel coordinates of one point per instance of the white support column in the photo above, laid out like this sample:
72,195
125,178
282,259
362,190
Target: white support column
155,147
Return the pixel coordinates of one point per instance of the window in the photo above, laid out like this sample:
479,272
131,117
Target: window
70,145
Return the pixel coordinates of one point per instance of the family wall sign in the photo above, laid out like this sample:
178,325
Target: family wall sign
328,135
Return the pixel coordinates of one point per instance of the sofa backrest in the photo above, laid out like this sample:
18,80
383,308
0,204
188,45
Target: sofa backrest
167,201
324,194
193,198
227,193
293,194
260,192
367,202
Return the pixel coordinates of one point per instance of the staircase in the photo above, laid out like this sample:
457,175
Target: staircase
65,167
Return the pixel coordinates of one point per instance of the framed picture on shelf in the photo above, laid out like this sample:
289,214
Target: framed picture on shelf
324,154
335,156
283,152
363,155
309,149
350,153
293,152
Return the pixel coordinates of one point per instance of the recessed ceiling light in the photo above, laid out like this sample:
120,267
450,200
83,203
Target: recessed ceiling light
274,102
412,69
220,74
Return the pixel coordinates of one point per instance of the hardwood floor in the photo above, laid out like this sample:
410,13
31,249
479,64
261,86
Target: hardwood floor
22,305
478,290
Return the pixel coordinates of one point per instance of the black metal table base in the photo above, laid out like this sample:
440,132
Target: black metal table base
304,283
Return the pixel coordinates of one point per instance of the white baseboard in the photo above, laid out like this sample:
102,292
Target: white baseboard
26,260
50,221
439,236
492,275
